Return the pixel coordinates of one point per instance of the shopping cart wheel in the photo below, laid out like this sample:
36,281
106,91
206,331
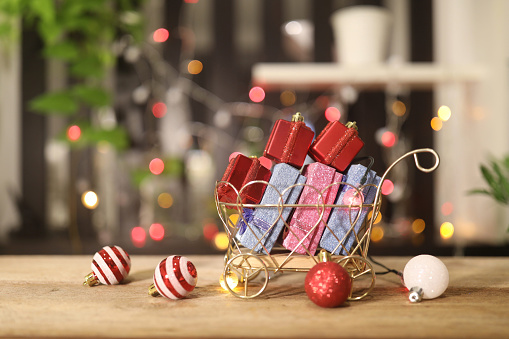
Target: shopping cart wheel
252,273
362,274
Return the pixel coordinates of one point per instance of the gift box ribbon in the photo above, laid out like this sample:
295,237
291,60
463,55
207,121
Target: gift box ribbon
291,141
349,135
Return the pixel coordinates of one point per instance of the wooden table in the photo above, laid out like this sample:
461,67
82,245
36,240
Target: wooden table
43,296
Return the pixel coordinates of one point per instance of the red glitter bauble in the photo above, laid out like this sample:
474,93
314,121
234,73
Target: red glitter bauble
328,284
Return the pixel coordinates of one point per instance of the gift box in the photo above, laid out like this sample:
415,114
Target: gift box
306,224
267,223
289,141
240,171
340,228
336,145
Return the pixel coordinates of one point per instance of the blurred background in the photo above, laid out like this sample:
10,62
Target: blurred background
117,117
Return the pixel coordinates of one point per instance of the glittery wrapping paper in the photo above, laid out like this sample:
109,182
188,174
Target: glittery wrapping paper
268,218
339,221
304,219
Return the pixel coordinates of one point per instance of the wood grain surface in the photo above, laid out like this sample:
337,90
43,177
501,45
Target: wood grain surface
43,296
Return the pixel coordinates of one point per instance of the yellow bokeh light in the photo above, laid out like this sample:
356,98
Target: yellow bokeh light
444,113
378,217
287,98
90,200
446,230
231,279
194,67
377,233
221,241
436,124
398,108
165,200
418,226
233,219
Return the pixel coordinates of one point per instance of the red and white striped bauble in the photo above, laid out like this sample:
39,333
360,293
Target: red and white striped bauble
175,277
111,265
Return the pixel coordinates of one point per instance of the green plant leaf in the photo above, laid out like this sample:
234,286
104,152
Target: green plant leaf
91,95
88,67
479,191
66,51
61,103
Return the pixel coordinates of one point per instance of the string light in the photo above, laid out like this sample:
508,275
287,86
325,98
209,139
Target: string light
388,139
387,187
156,166
231,279
156,232
257,94
74,133
159,109
161,35
332,114
444,113
446,230
221,241
90,200
138,236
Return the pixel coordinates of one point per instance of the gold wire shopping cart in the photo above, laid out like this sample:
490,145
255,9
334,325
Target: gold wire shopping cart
252,268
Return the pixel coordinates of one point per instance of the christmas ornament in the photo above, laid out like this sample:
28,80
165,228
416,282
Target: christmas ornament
304,219
109,266
336,145
327,283
240,171
267,223
174,278
426,277
341,218
289,141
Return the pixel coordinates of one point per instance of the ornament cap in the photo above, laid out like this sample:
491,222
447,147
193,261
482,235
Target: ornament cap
324,256
90,280
297,117
352,124
415,294
152,290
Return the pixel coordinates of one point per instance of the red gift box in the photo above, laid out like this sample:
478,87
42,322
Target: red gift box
336,145
240,171
289,141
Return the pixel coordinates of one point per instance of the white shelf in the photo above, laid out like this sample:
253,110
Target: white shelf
326,75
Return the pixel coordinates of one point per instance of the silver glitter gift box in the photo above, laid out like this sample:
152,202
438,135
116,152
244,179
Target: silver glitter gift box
340,220
267,223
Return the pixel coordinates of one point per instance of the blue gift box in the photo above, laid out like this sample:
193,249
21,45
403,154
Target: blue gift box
341,218
268,222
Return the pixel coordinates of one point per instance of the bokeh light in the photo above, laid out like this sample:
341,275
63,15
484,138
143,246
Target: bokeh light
90,200
221,241
398,108
194,67
165,200
293,28
231,279
447,208
156,232
210,230
388,139
378,217
161,35
332,114
387,187
159,109
138,236
418,226
233,219
446,230
377,233
156,166
444,113
256,94
436,124
287,98
73,133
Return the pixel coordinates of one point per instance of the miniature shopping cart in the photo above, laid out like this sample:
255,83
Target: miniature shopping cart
253,269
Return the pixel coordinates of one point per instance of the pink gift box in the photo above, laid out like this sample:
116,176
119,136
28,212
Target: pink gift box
304,219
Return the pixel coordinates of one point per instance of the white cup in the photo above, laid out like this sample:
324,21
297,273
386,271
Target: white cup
361,34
